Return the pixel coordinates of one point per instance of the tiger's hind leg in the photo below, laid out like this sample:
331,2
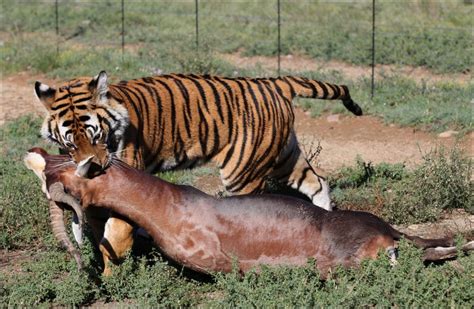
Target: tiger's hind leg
293,169
245,175
234,187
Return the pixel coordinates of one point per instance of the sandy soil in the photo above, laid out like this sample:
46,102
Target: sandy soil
17,96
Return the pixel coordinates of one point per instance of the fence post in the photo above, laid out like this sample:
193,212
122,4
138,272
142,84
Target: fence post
279,37
373,49
123,28
197,24
56,10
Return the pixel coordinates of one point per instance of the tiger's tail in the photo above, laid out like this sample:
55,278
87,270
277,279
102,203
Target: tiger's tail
310,88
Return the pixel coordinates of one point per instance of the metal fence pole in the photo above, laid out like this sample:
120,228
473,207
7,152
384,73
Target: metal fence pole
197,24
279,37
123,28
56,9
373,49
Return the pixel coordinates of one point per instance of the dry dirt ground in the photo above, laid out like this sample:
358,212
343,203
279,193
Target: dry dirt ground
341,137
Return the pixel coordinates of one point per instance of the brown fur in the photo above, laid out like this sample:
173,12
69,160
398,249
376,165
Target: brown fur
206,234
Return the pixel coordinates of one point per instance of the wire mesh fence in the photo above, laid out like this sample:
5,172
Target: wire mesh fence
436,34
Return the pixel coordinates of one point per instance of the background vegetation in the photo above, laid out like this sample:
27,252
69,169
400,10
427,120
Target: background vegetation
160,37
321,29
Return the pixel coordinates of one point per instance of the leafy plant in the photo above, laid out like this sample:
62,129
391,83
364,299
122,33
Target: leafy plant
442,182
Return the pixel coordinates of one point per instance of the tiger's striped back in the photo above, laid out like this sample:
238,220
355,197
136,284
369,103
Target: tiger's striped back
191,119
180,121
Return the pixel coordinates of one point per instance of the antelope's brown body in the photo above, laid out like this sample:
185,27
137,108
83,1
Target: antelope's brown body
208,234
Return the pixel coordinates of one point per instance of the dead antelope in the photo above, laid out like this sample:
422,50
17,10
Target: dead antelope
207,234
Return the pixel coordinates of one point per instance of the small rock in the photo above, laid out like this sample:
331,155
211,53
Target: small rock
448,133
333,118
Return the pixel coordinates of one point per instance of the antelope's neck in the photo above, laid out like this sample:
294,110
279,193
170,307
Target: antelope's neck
146,200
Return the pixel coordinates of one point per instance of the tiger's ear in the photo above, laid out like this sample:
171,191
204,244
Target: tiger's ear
99,85
45,94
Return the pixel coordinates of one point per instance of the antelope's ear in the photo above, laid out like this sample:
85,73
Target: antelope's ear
99,85
45,94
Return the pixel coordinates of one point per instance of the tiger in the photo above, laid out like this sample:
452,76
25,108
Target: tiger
245,126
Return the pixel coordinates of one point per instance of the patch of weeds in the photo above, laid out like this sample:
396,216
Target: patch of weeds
365,186
149,281
182,177
270,287
441,182
49,278
202,62
402,196
23,207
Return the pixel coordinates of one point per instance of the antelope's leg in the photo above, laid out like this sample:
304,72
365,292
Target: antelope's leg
443,253
77,230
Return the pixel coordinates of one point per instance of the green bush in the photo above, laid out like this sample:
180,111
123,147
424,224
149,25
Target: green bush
149,281
48,278
441,182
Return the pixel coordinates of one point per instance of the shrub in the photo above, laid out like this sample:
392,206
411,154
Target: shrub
148,281
442,182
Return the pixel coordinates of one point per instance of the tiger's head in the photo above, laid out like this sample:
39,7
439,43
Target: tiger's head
84,119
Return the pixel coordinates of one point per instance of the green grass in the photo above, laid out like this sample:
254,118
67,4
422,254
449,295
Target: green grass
435,107
51,279
432,34
442,182
48,276
418,33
